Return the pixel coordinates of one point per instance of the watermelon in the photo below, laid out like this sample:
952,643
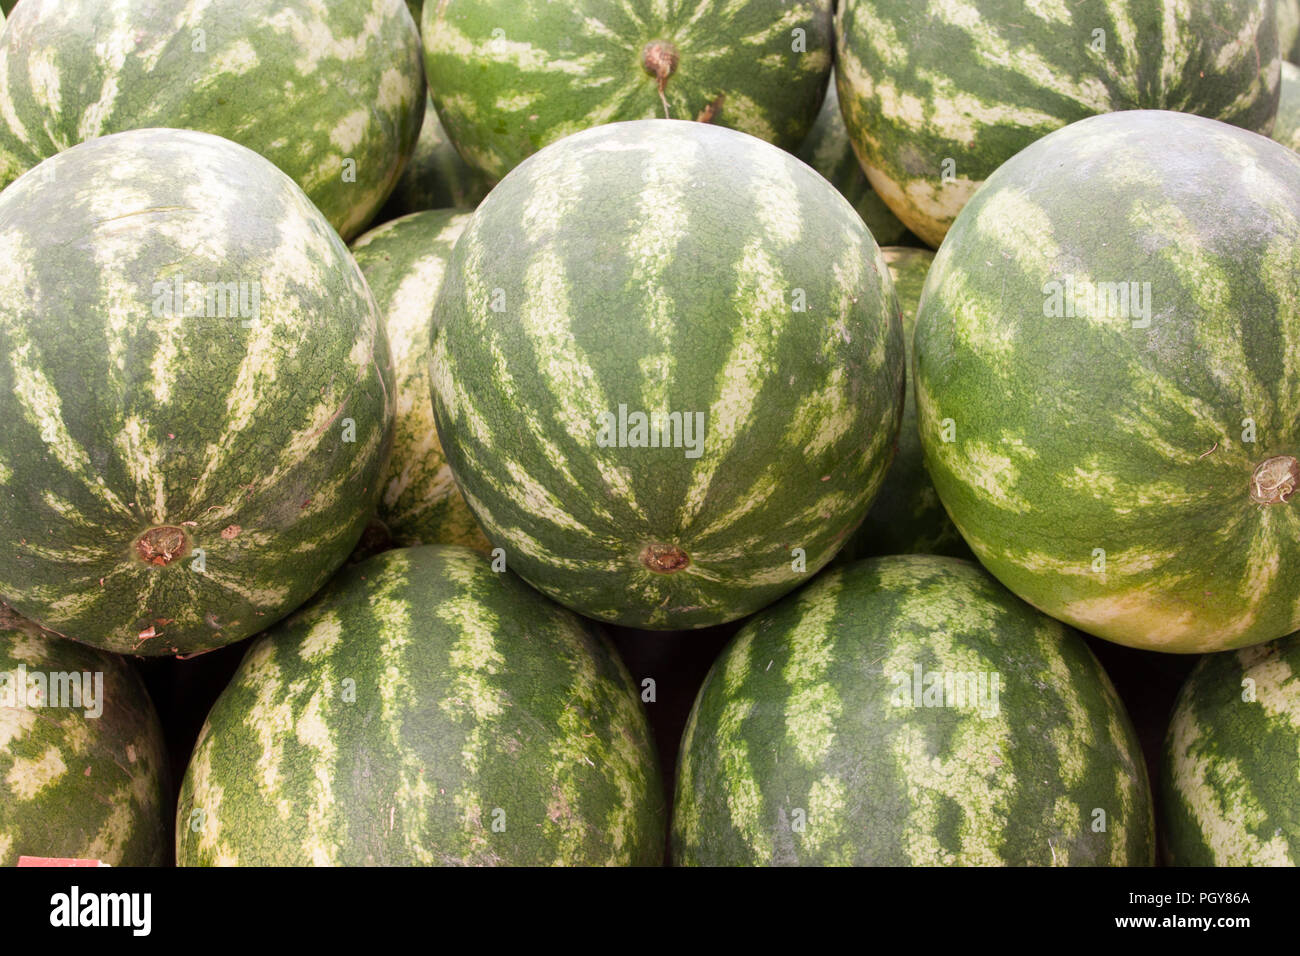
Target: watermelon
937,95
196,397
909,710
425,710
907,516
1287,129
403,262
1109,414
510,76
1288,29
83,768
700,276
828,150
1230,766
331,93
436,177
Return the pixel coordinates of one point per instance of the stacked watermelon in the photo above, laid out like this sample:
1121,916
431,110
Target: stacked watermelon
392,720
936,96
83,770
621,346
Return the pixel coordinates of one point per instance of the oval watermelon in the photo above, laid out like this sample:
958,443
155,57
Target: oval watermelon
693,274
828,150
330,92
937,95
1109,415
83,768
907,516
195,394
909,711
403,262
425,710
436,177
1231,763
510,76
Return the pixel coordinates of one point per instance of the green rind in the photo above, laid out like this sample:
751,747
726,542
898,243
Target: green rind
799,722
511,76
657,265
404,262
936,95
1100,470
475,701
907,516
332,93
1287,129
74,784
1288,29
828,150
1231,762
265,444
436,177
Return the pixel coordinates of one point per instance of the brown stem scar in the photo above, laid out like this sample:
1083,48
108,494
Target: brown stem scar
1274,480
664,558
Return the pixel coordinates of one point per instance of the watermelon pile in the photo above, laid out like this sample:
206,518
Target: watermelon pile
733,433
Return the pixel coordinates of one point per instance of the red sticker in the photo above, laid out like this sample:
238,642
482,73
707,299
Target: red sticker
57,861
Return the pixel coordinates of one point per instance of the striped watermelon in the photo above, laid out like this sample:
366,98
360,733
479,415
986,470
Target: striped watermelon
510,76
936,95
436,177
909,711
1287,129
83,769
828,150
675,269
907,516
195,394
403,262
330,92
425,711
1230,790
1110,414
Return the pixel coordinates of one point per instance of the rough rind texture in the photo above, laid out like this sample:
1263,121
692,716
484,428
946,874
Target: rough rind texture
436,177
404,262
1287,129
332,93
926,84
511,76
828,150
907,516
659,265
804,746
1231,763
74,784
485,726
1101,465
260,440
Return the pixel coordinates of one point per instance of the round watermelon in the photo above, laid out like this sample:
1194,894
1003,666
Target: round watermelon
83,768
937,95
828,150
425,710
667,372
1287,129
331,93
510,76
403,262
196,398
903,711
1231,762
907,516
436,177
1109,413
